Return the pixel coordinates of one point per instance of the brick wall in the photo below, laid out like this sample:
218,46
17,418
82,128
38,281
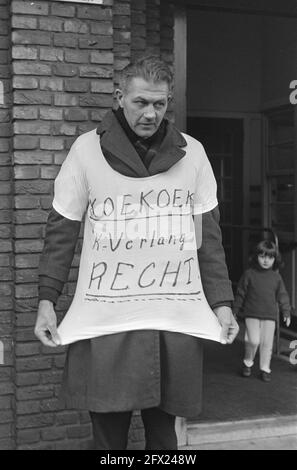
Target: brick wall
121,36
138,31
167,41
66,59
63,65
167,31
7,421
152,28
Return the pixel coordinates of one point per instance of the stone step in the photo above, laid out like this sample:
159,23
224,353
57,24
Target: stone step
204,433
286,347
288,333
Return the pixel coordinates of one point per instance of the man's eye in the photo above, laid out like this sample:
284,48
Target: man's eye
159,105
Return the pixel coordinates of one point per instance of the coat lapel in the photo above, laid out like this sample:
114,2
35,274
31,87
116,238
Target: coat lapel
169,152
115,141
161,156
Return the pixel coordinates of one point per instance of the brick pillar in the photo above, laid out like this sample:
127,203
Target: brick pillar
167,31
153,27
64,57
122,36
167,41
7,427
138,28
63,81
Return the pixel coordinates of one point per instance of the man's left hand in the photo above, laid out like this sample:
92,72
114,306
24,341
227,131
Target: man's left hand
230,326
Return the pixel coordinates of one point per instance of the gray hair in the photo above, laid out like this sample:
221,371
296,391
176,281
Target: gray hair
150,68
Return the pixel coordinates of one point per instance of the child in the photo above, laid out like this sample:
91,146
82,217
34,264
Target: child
260,291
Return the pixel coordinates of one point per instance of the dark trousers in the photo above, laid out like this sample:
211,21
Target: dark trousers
111,429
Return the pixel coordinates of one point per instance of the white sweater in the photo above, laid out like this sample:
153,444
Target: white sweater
139,267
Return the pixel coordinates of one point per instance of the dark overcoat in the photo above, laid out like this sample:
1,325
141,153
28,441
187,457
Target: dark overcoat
138,369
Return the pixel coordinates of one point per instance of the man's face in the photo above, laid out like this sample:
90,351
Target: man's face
144,104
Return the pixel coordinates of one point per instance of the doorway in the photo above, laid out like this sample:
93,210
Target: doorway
240,63
223,139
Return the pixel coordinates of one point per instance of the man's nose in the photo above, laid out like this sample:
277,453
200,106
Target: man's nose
150,112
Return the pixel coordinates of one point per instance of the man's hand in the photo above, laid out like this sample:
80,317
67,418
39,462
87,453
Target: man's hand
230,326
46,324
287,321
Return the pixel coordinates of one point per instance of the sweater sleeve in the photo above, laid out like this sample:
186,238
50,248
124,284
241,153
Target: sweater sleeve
55,262
283,299
214,274
49,288
241,293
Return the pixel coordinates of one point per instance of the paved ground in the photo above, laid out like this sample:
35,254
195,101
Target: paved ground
228,396
270,443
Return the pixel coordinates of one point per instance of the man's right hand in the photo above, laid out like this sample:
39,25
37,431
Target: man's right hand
46,324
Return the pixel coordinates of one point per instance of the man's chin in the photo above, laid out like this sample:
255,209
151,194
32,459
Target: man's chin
146,132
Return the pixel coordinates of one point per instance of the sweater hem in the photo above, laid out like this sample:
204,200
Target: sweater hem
259,317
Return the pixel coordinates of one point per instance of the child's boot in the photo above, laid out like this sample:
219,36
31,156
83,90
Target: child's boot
246,371
265,376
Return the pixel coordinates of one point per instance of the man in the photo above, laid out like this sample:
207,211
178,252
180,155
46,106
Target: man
137,297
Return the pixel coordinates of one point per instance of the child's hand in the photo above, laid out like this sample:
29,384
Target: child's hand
287,321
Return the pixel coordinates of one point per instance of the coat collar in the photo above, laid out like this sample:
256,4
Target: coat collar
115,140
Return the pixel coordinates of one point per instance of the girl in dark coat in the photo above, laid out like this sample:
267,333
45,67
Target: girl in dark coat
260,295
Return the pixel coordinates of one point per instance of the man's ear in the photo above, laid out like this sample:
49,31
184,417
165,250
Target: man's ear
119,96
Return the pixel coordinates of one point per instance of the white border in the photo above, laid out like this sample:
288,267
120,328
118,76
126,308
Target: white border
92,2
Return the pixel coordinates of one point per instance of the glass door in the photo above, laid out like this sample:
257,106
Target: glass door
280,169
280,197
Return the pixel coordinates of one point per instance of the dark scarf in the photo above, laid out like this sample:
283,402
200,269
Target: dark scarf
130,155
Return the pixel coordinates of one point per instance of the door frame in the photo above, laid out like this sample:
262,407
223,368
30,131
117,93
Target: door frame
287,9
180,100
180,67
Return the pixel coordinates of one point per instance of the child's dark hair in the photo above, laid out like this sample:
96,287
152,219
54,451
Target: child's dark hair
267,247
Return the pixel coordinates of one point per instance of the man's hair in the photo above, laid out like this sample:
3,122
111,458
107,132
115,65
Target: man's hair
150,68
